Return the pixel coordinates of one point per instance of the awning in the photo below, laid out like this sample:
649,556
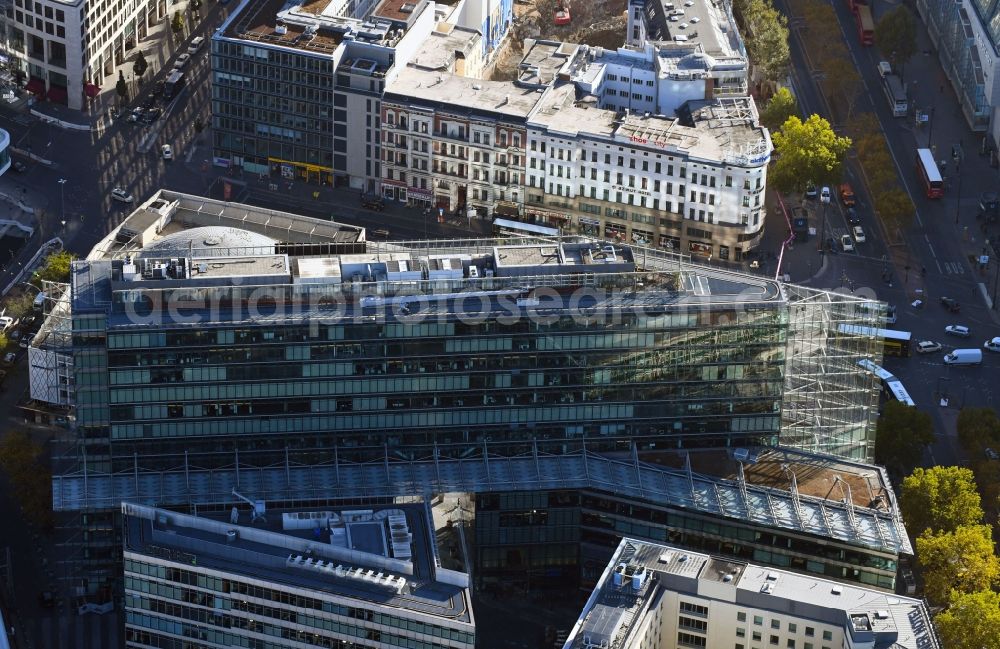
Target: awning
35,86
588,221
526,227
91,90
57,94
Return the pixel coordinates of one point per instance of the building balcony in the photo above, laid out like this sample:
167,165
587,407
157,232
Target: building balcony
458,136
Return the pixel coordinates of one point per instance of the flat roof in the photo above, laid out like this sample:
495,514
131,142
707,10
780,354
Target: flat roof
700,23
332,550
457,93
258,21
438,51
542,59
640,572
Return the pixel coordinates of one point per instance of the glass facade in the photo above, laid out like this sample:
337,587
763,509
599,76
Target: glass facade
524,537
164,602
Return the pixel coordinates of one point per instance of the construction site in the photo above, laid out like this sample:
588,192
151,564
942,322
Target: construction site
594,22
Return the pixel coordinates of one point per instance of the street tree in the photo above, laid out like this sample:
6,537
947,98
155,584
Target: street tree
781,106
767,39
21,458
177,23
902,434
879,168
807,151
140,65
824,42
895,208
961,561
896,35
972,621
3,341
978,428
940,498
121,87
56,267
18,303
842,83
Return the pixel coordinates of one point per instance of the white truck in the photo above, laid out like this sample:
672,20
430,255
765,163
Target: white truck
964,357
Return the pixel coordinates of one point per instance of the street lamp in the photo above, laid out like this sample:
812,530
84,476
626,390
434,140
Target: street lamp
62,198
958,154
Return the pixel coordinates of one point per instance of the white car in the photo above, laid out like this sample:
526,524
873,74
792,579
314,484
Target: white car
181,61
167,151
928,347
846,243
824,195
859,234
121,195
993,344
957,330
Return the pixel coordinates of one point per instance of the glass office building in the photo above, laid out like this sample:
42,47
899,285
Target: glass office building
225,340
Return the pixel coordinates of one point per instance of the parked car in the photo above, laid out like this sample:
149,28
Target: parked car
928,347
884,68
372,203
964,357
152,115
195,45
859,234
957,330
847,243
993,344
852,216
824,195
810,190
167,152
121,195
158,89
831,244
951,305
847,195
149,102
182,61
136,115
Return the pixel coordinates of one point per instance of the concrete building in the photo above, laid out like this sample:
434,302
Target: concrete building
209,335
654,596
331,577
298,86
66,49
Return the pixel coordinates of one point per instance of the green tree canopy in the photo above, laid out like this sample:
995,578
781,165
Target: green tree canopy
971,622
808,150
3,341
962,561
941,498
902,434
767,38
140,65
781,106
19,303
896,35
56,267
978,428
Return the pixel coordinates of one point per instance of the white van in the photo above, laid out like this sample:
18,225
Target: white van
964,357
195,45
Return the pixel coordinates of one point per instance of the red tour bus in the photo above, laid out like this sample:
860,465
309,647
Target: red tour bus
929,174
866,26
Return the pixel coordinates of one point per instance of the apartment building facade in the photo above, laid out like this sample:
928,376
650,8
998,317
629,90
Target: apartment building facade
454,144
65,50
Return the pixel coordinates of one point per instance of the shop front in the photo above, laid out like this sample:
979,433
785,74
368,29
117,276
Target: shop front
670,243
419,197
699,249
590,227
312,174
642,237
615,231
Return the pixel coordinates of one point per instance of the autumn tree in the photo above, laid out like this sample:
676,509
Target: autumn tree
972,621
978,428
807,151
177,23
824,42
895,208
896,35
781,106
22,459
842,83
3,341
18,304
902,434
941,498
962,561
56,267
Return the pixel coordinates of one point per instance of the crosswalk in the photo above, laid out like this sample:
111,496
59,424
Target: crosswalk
953,267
